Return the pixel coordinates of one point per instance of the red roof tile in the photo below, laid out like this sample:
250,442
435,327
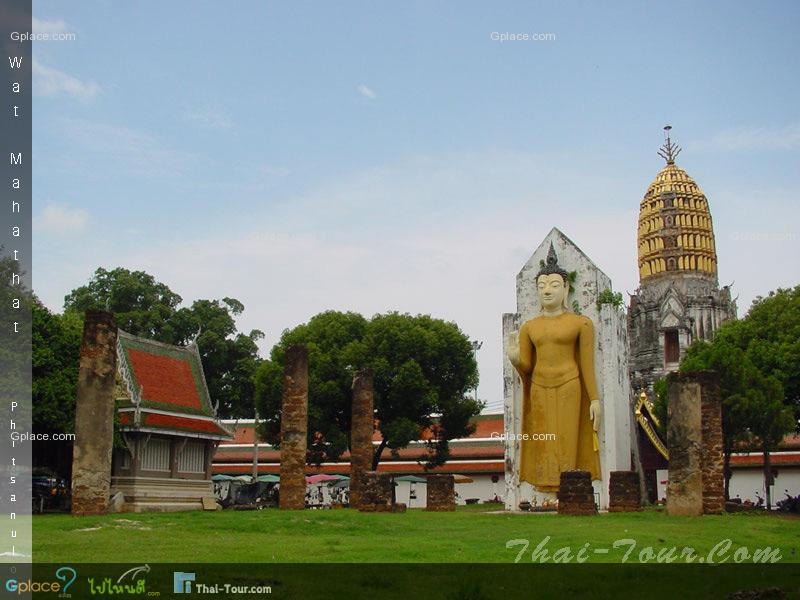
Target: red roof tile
164,379
757,460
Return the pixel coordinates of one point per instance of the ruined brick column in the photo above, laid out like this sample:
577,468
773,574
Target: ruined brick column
294,429
623,492
94,415
575,494
376,492
362,426
694,439
441,493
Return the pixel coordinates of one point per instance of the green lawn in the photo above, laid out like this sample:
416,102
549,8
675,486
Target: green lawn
469,535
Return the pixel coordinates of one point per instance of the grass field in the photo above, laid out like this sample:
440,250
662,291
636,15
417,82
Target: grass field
471,534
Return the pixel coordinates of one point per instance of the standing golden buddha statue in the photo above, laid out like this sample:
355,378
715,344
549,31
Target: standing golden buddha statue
554,355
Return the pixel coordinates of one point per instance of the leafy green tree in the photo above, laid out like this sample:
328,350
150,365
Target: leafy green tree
421,366
770,419
770,335
229,358
141,305
335,349
56,342
754,358
149,308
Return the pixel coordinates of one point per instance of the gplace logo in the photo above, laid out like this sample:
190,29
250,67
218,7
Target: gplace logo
67,575
182,582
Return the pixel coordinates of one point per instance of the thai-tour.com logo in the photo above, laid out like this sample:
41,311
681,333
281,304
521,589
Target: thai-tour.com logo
64,578
186,583
182,582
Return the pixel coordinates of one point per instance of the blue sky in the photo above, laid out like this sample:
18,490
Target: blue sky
368,156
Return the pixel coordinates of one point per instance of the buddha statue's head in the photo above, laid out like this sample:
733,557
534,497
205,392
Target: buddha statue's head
552,283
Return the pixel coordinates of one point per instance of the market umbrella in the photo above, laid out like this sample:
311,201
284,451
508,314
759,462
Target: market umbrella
462,479
341,484
322,478
269,478
221,477
411,478
244,478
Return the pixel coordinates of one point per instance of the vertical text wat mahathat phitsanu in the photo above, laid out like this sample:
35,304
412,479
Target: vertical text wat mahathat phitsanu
679,299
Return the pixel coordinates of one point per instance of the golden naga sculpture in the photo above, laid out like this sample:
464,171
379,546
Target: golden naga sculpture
554,355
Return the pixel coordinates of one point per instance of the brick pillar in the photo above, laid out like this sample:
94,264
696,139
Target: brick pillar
94,415
294,428
441,493
362,425
694,439
575,493
623,492
376,492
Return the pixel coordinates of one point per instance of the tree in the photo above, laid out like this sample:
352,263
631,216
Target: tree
142,306
335,350
770,419
756,358
56,341
229,358
148,308
422,366
770,334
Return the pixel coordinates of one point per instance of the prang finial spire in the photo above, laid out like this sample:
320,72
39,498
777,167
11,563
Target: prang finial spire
669,150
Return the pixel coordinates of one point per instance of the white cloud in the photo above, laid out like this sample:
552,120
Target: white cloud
48,81
208,116
753,138
366,91
438,235
443,235
62,220
49,26
126,150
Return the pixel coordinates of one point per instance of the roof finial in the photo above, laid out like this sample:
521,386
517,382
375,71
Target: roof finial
669,150
193,339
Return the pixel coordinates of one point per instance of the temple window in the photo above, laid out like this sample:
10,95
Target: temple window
192,459
155,456
672,349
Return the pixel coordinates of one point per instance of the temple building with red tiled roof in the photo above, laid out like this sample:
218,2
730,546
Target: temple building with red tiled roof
168,424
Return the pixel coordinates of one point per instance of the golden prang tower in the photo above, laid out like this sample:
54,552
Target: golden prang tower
675,230
679,299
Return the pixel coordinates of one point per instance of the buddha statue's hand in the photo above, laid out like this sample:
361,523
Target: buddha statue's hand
512,347
594,414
